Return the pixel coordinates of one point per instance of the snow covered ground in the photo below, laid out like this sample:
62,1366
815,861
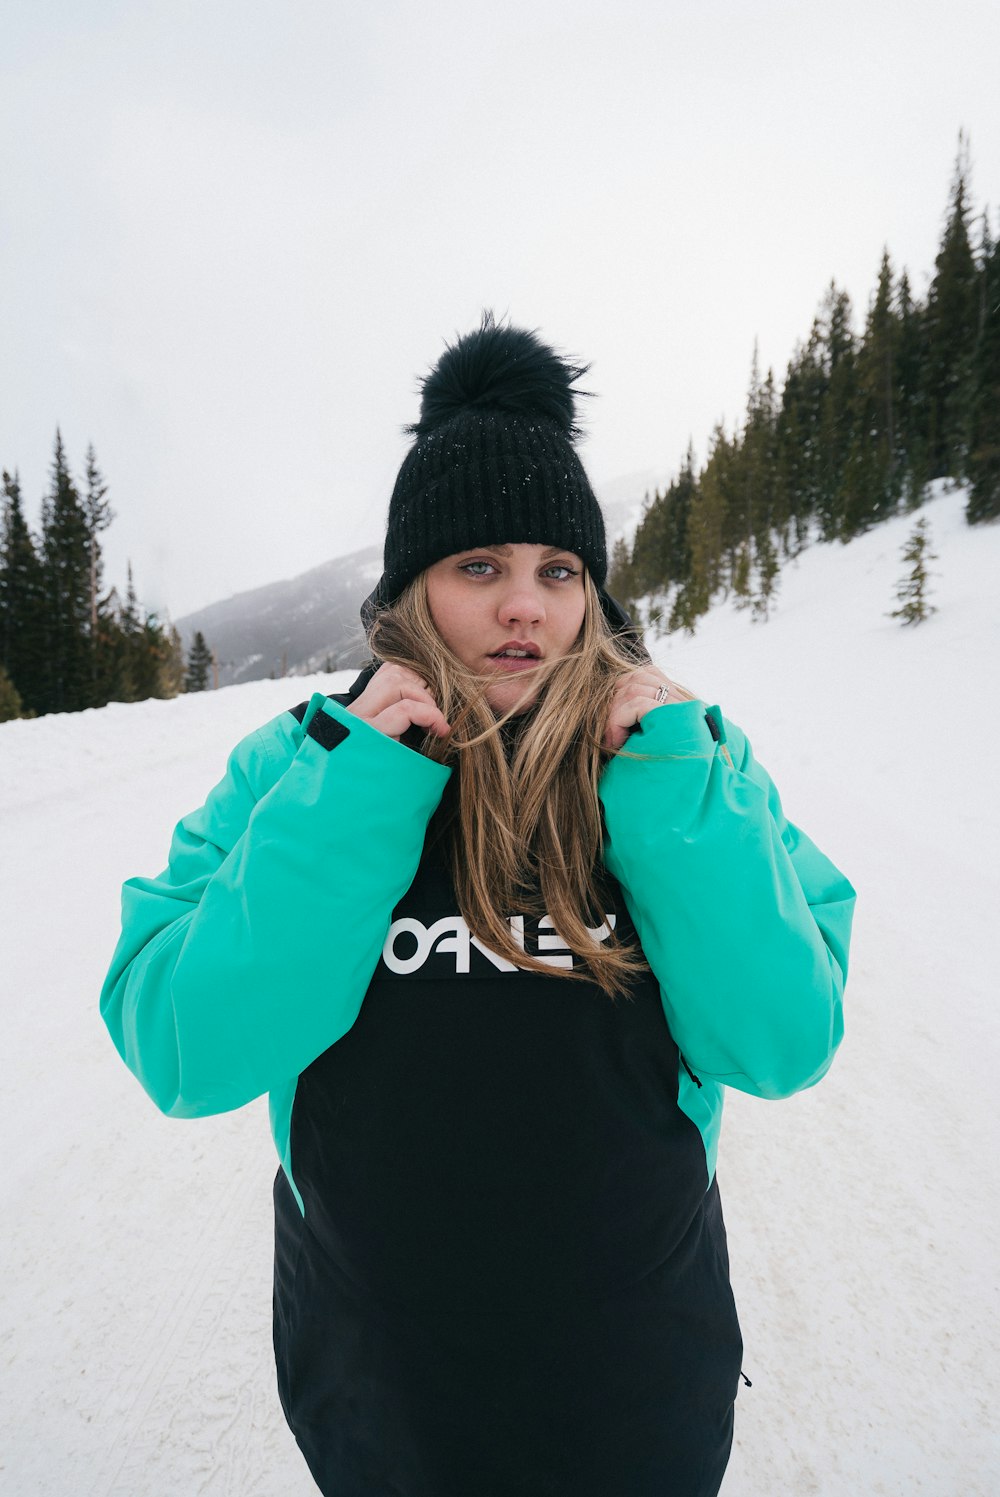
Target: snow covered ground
862,1215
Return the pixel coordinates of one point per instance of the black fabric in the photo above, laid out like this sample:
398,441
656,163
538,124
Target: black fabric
495,463
326,730
510,1278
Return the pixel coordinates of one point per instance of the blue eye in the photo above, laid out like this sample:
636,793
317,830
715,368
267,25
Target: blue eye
559,566
473,568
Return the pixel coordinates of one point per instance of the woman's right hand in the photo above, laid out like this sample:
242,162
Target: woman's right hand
395,700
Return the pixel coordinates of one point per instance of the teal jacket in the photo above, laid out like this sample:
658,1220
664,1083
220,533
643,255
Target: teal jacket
315,833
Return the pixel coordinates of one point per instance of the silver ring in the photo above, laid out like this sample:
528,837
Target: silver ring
662,693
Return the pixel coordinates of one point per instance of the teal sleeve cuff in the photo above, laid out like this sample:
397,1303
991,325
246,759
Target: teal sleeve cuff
382,754
675,728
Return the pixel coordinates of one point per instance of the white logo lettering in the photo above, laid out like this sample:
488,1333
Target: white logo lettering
451,936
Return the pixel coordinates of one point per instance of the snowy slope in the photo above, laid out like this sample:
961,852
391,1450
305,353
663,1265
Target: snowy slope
862,1215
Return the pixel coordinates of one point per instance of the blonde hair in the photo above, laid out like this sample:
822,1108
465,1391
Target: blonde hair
521,820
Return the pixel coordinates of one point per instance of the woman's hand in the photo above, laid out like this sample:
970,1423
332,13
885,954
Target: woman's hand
396,699
638,693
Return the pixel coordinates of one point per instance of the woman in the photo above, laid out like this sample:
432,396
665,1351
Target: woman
493,930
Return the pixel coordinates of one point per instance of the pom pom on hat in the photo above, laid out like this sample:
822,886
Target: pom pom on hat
493,460
504,369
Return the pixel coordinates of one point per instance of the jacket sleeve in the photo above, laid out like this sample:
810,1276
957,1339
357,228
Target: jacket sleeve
744,921
251,954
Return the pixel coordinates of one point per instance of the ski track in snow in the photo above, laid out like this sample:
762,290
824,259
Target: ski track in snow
135,1334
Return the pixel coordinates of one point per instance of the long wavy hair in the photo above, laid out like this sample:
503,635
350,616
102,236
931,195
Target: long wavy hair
520,821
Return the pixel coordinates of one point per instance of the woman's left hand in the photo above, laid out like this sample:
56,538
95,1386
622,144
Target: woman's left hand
638,693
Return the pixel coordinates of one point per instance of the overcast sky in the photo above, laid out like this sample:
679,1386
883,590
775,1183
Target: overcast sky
234,232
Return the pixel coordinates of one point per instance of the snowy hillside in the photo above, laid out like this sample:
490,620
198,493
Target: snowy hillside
862,1215
298,624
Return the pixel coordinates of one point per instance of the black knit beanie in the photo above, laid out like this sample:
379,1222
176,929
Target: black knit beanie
493,461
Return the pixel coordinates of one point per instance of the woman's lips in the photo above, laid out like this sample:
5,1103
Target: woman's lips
512,663
518,660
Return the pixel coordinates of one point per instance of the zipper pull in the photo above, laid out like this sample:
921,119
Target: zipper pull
745,1378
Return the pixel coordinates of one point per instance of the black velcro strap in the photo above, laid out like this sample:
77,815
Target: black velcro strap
326,730
300,711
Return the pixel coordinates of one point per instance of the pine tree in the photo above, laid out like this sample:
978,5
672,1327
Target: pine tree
621,579
151,659
768,568
648,563
838,409
984,434
685,610
756,463
66,566
680,497
873,472
713,500
98,515
950,322
11,705
172,669
911,593
127,645
22,600
756,468
797,439
911,398
660,551
741,576
199,664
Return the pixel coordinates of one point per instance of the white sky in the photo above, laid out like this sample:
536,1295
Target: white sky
232,234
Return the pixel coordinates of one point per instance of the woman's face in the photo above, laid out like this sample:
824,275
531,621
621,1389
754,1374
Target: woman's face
501,609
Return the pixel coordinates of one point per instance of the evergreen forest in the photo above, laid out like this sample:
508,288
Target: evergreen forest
65,643
863,421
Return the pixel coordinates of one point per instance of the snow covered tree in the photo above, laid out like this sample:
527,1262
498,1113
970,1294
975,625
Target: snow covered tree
911,594
198,665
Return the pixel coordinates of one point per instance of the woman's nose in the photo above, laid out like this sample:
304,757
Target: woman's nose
522,605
